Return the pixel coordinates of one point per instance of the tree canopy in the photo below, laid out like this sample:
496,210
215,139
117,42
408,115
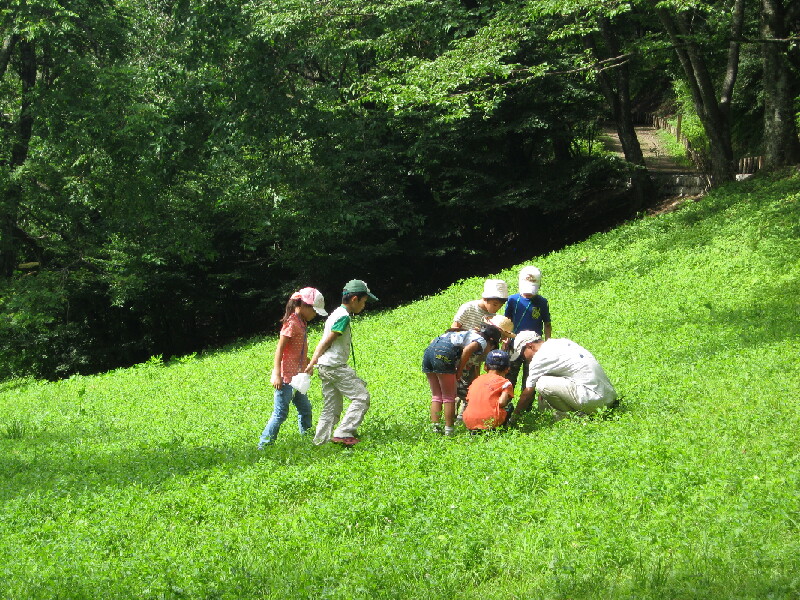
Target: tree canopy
171,171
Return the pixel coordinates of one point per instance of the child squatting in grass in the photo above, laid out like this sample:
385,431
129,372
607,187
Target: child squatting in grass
489,396
291,356
337,377
443,363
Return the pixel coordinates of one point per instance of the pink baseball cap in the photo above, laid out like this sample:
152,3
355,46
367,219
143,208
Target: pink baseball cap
313,297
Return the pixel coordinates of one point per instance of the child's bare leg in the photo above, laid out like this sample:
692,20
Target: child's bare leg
449,414
447,381
436,396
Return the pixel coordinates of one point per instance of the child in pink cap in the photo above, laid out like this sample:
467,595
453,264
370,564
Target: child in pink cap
291,357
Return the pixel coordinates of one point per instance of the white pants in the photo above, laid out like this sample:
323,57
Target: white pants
337,383
562,395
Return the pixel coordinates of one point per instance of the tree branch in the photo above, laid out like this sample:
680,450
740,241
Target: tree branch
5,53
732,68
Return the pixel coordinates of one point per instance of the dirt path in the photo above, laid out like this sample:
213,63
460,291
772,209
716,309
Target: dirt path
655,154
657,160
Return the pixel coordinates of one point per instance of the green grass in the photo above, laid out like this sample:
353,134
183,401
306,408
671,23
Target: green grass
674,148
145,482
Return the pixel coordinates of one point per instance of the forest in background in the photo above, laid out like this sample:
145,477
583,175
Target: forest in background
171,170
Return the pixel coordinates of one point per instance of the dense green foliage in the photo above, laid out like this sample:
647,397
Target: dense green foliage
145,482
169,171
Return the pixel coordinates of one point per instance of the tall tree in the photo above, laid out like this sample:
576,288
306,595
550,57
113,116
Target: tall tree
780,26
689,33
613,68
17,131
44,41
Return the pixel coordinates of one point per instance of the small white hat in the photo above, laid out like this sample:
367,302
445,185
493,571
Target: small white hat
313,297
524,338
530,278
495,288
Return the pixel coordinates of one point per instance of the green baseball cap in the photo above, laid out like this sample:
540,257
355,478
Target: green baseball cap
356,286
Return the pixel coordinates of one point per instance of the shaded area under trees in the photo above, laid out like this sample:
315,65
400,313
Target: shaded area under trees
172,171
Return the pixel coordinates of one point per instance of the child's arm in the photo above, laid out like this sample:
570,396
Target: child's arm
323,345
276,380
548,330
505,398
465,356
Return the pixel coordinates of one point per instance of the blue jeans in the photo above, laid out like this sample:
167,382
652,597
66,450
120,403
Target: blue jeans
287,394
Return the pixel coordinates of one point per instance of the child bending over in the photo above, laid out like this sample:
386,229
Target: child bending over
443,363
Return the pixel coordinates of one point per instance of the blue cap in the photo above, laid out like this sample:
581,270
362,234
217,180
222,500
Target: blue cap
498,359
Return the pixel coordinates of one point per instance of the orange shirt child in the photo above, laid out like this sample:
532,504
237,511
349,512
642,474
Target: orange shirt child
486,400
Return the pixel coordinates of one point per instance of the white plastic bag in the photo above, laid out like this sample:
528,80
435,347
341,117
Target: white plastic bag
301,382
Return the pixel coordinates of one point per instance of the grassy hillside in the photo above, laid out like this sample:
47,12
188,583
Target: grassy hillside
145,482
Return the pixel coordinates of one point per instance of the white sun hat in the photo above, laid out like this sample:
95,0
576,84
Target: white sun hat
495,288
530,278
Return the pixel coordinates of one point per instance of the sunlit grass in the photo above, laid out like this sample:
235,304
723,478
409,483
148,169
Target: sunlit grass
145,482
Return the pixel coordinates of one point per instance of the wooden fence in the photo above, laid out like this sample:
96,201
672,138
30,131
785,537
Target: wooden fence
744,166
750,164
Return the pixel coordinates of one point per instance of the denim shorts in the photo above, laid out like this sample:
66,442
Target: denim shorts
440,356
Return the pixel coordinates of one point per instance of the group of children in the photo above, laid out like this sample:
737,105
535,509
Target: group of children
478,334
451,362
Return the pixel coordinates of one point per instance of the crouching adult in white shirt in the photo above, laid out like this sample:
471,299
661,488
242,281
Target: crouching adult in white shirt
566,375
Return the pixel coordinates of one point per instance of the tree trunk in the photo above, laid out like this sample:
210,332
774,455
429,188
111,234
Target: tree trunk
19,154
615,83
781,145
713,114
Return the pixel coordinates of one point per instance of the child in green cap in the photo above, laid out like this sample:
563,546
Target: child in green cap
337,377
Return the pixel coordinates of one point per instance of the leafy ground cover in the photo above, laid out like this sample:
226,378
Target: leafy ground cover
674,149
145,482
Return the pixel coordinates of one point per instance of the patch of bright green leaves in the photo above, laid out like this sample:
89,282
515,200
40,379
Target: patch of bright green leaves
145,482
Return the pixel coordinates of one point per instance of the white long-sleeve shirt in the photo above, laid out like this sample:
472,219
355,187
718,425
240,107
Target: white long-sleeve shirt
560,357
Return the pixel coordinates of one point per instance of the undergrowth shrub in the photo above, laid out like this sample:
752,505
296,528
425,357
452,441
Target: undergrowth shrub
146,483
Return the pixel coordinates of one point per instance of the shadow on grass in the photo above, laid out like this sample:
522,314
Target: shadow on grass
39,462
693,225
769,319
76,462
52,466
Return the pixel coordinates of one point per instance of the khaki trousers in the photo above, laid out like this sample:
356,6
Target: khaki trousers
337,383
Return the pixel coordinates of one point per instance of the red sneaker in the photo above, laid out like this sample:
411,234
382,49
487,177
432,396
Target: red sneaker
345,441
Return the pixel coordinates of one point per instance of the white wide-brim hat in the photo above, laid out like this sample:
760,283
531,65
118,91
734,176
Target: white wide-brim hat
495,289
